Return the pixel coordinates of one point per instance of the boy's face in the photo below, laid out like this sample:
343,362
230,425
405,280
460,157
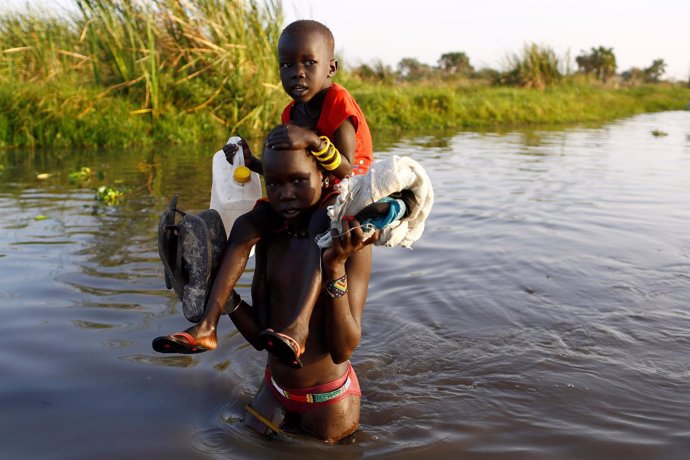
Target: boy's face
305,63
293,182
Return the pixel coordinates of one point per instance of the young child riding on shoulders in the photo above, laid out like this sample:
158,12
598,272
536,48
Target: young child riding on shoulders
321,112
325,120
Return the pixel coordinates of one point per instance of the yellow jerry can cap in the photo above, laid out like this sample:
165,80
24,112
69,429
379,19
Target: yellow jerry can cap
242,174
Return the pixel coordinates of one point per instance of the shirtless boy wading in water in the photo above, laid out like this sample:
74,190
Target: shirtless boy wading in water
325,393
291,274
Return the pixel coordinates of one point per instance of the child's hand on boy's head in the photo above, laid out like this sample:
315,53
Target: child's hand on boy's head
293,137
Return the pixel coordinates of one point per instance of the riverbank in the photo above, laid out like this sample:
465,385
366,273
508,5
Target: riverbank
426,107
59,114
145,73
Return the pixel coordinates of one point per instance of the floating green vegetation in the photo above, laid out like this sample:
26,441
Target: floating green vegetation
109,195
83,175
659,133
106,193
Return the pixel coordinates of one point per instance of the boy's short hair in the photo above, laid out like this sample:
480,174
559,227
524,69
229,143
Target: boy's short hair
309,25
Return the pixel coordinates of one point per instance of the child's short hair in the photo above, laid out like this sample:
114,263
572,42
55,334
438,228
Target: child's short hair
309,25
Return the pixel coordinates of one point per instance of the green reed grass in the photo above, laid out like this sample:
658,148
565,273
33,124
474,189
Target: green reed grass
127,72
175,70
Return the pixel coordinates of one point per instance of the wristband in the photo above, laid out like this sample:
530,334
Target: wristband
338,287
329,157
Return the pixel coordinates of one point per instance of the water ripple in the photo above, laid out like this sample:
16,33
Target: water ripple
543,314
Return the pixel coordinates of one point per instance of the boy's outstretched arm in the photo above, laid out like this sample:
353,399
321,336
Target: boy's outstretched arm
245,233
346,273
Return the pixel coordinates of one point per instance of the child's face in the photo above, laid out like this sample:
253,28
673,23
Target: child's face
293,182
306,65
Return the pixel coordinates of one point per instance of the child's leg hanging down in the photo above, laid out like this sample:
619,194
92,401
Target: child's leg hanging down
289,343
245,233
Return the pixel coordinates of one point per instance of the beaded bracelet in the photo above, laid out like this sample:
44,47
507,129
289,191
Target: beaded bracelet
338,287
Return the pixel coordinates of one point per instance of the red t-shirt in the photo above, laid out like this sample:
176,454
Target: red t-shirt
338,106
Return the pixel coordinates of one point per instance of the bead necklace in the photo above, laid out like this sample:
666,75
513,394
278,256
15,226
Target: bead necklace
292,234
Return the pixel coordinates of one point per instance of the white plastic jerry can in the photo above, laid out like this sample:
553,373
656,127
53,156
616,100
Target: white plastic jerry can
235,188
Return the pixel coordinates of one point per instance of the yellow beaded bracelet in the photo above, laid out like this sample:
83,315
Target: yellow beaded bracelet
333,165
328,156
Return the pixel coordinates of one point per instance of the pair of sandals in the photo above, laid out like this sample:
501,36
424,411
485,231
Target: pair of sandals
282,346
191,250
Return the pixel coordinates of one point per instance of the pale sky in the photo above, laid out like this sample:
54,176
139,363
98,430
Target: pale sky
639,31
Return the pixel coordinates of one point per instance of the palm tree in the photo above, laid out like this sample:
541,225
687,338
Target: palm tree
600,61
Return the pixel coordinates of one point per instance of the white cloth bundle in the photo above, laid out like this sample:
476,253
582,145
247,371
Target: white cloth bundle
384,178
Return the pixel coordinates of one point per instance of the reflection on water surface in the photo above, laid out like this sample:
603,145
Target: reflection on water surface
543,314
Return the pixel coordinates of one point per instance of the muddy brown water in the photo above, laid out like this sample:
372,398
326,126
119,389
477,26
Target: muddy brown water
545,313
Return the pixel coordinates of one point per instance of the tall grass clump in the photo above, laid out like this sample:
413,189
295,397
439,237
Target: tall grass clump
537,67
184,70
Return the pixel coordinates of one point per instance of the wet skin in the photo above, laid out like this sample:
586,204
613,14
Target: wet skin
294,190
306,67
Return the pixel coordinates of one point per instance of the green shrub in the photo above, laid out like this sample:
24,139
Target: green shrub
537,67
